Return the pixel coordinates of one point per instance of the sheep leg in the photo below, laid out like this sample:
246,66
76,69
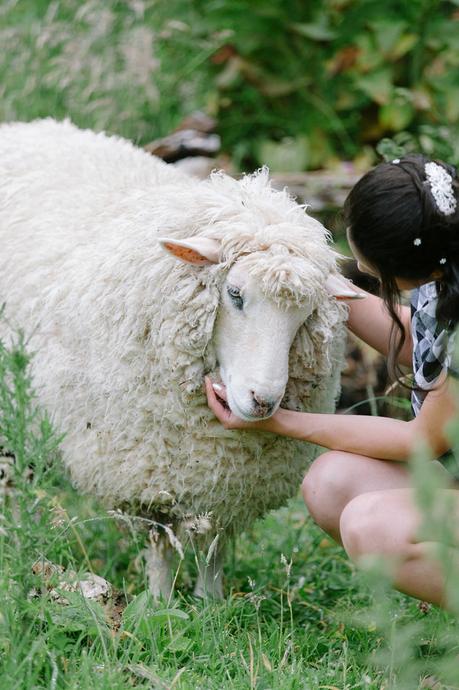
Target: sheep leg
158,558
209,582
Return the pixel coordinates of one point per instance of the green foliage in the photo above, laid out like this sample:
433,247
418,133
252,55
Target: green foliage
348,71
433,142
292,84
333,69
26,435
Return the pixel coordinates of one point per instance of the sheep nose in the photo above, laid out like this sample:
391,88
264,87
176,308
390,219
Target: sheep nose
262,407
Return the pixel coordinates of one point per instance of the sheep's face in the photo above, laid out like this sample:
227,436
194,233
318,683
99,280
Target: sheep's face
253,336
265,299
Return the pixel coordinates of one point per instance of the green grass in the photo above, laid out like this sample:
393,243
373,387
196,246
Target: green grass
101,63
297,614
297,85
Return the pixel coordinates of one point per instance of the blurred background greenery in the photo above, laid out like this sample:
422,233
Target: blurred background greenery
297,85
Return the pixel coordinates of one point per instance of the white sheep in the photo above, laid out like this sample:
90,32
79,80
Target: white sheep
123,332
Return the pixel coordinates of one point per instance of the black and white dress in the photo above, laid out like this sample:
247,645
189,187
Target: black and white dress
433,344
433,349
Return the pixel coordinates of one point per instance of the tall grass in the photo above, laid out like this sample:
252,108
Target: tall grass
99,62
297,613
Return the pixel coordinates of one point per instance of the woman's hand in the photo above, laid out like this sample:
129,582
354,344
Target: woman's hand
216,399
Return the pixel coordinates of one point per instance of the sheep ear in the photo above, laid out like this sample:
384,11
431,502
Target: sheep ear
200,251
341,288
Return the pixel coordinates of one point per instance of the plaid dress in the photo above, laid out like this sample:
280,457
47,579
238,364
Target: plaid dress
433,348
433,344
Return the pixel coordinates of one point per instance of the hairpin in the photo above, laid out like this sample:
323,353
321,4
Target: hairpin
441,187
396,161
417,242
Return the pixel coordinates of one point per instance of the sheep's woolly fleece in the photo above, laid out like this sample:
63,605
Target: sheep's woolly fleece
122,332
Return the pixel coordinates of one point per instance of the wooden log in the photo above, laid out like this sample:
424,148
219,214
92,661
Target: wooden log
323,190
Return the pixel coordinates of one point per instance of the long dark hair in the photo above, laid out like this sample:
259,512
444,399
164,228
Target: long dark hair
397,227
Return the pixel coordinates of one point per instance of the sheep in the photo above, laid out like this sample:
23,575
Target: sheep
132,281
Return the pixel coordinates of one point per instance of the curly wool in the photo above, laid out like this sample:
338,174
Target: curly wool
123,333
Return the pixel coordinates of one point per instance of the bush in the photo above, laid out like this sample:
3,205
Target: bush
296,85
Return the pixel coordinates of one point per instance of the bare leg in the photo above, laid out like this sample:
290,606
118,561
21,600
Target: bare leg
209,582
337,477
386,523
158,557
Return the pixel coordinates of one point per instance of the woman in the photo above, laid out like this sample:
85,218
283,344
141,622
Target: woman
403,228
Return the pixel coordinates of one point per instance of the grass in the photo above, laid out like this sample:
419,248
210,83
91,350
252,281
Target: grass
297,614
100,62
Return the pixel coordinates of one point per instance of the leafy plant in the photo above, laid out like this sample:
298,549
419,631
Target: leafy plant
294,85
328,77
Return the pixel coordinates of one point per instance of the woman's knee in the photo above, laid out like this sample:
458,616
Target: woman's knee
328,476
326,487
358,524
377,523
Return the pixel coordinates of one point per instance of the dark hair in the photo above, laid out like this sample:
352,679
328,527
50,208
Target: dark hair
386,211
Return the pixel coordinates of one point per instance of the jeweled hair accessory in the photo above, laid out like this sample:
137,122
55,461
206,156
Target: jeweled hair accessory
441,186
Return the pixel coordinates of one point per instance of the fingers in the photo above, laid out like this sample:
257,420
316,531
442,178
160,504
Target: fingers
220,390
211,397
221,412
216,399
217,388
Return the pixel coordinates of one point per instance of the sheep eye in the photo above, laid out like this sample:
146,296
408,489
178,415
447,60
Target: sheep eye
236,297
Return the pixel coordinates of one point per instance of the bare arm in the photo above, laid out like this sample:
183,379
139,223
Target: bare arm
370,321
377,437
